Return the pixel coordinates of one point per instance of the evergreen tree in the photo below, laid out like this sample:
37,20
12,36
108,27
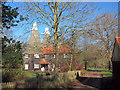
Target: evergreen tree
11,53
10,16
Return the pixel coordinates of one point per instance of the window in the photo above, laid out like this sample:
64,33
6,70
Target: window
42,69
49,66
26,66
36,55
53,65
45,56
26,55
64,55
54,55
36,66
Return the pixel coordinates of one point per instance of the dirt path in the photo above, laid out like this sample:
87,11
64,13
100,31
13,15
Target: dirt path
91,81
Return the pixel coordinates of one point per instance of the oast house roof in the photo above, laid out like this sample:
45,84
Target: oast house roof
63,49
47,40
118,40
116,49
34,43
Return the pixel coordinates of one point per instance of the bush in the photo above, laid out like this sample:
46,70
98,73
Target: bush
64,67
84,72
9,75
75,66
79,67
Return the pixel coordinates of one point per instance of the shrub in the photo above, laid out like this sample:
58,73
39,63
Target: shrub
75,66
79,67
83,72
9,75
64,67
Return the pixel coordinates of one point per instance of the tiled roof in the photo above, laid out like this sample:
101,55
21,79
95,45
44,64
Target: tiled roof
34,44
47,40
118,40
44,62
63,49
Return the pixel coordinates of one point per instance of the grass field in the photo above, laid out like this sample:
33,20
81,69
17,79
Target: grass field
29,74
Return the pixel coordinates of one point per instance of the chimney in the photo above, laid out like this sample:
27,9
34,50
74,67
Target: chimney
47,31
35,26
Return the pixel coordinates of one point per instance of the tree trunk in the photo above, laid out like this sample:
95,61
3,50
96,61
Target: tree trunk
70,66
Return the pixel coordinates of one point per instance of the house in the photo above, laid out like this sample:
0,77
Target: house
41,56
116,61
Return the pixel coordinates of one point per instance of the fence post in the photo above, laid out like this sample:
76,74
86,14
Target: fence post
37,80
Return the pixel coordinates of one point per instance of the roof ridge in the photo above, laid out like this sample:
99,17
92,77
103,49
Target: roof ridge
118,40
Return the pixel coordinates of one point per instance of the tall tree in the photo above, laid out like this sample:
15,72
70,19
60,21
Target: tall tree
72,40
10,17
103,29
58,16
11,53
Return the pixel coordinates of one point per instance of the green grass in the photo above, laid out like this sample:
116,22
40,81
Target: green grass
33,74
107,74
98,69
29,74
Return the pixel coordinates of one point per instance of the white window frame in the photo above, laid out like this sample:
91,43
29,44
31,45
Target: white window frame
36,55
45,56
36,66
49,66
43,69
54,55
53,65
26,55
26,66
64,55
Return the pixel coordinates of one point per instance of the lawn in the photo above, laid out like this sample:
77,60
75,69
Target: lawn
98,69
105,72
29,74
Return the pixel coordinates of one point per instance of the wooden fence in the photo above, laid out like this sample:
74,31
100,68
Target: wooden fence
9,85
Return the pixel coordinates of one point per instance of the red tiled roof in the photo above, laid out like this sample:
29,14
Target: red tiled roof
63,49
44,62
48,50
118,40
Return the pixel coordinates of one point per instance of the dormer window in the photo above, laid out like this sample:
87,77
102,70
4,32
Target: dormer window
36,55
26,55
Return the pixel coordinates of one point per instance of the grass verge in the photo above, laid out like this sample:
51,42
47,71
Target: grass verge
105,72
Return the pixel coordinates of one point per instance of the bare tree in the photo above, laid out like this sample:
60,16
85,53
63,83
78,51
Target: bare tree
103,29
59,17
